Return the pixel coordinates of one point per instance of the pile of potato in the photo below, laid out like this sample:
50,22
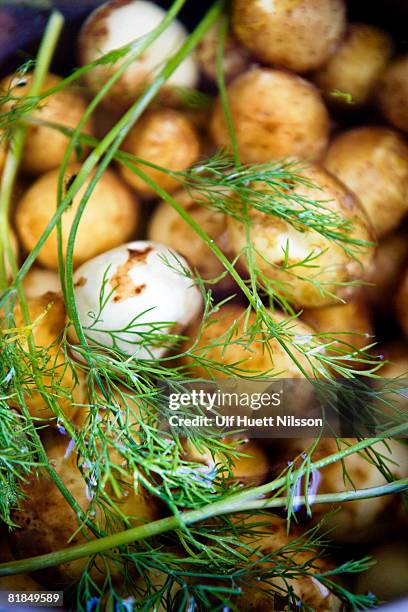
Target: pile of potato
295,72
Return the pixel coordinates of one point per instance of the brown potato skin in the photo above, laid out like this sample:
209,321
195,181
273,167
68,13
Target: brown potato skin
166,138
255,358
393,94
46,333
110,218
356,65
270,236
47,522
44,148
361,520
296,34
274,537
389,262
236,58
349,323
275,114
373,163
167,227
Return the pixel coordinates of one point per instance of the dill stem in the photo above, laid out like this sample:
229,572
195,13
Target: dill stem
114,139
13,159
230,505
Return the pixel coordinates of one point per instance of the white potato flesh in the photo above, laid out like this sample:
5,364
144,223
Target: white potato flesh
118,23
144,283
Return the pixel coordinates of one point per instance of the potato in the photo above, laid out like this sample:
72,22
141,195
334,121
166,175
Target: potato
388,578
356,65
268,593
275,114
402,303
296,34
44,148
237,353
47,522
236,58
252,468
373,162
110,218
321,282
163,137
348,325
118,23
395,376
390,258
39,281
362,520
167,227
393,93
47,313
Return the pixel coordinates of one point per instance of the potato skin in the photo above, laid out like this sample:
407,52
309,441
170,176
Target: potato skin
236,57
166,138
110,217
255,358
356,65
362,520
260,595
251,469
373,162
389,262
393,93
46,333
167,227
275,114
270,237
39,281
348,323
47,521
296,34
45,147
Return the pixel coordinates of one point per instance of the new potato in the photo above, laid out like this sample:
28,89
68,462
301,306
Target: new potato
119,23
361,520
111,216
47,522
39,281
388,577
393,93
280,248
48,317
356,65
402,303
296,34
44,146
168,227
348,325
275,114
267,591
390,259
165,138
236,57
373,163
238,351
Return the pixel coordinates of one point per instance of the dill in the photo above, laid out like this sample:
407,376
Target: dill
197,554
